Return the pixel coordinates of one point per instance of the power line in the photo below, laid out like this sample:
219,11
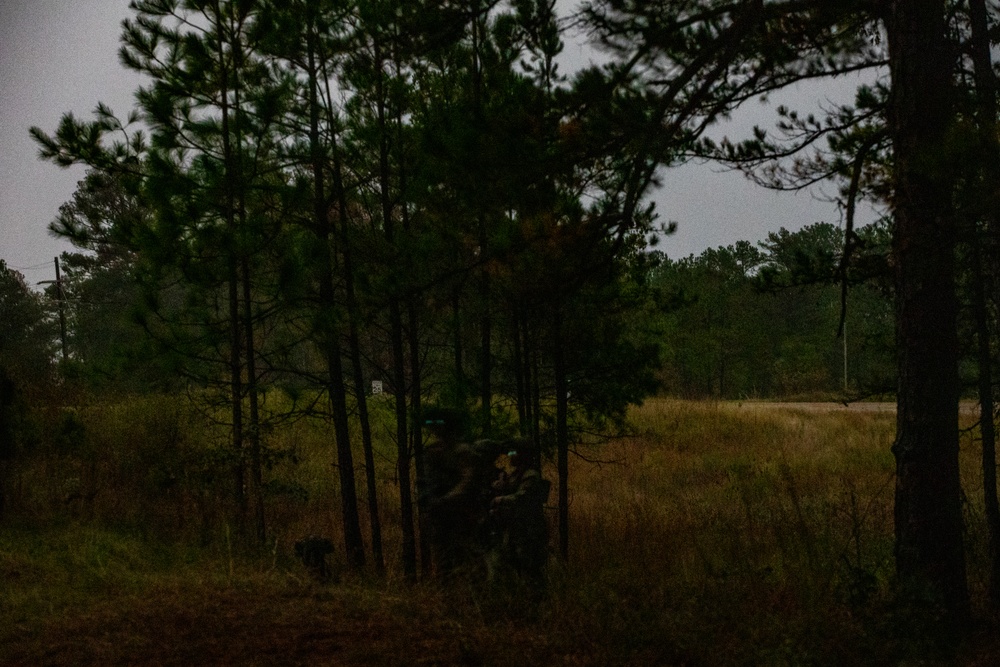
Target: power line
36,267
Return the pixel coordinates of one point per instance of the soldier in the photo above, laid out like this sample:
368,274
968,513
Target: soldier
519,509
450,495
485,454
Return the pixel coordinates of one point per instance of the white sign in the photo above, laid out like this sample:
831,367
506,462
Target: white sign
376,387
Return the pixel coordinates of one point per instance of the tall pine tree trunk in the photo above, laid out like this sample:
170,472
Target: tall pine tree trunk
416,387
403,459
485,281
562,431
986,94
930,556
256,468
987,426
418,440
318,60
236,395
374,515
536,390
233,282
458,348
353,542
520,385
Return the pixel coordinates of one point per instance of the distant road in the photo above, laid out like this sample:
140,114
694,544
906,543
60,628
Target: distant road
967,407
821,407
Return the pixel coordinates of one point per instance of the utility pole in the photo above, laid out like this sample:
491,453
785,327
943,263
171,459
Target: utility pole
61,298
62,309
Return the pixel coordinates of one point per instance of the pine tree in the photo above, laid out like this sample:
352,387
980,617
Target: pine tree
307,38
760,47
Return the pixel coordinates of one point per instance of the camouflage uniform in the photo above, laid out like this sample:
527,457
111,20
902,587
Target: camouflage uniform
450,502
519,509
458,491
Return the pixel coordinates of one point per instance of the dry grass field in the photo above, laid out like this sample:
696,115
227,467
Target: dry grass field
718,534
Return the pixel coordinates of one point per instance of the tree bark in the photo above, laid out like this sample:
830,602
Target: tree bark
562,433
416,388
485,280
336,388
371,485
256,468
232,278
458,352
986,94
353,542
417,436
403,460
342,234
519,378
930,556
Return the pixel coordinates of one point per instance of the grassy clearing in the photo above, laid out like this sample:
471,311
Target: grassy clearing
721,534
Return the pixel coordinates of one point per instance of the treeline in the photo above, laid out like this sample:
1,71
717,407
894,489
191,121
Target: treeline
764,321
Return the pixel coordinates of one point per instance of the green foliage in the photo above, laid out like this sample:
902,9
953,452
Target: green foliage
102,300
69,436
29,335
744,322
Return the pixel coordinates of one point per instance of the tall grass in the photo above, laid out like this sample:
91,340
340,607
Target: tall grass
738,532
718,534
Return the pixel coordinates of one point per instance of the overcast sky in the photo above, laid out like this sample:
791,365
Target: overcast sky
58,56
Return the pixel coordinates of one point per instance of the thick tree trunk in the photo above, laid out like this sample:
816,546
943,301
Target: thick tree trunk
986,93
987,426
930,557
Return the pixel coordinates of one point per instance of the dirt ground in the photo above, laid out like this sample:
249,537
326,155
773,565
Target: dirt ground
247,628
